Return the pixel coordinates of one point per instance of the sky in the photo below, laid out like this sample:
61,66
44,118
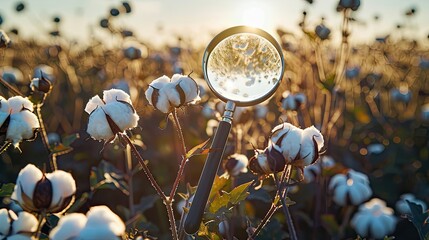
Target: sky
160,21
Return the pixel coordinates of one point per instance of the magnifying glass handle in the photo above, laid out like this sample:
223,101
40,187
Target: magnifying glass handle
193,220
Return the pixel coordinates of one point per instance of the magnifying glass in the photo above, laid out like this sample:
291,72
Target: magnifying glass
243,66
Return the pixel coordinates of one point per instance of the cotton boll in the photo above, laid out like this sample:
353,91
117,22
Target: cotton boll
114,95
17,103
189,87
403,207
68,227
173,95
98,127
97,232
288,138
4,221
20,237
100,216
350,188
374,219
93,103
26,222
4,110
311,143
63,187
122,114
156,84
312,132
21,127
26,182
236,164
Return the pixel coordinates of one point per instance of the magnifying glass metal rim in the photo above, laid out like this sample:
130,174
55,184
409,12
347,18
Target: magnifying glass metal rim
233,31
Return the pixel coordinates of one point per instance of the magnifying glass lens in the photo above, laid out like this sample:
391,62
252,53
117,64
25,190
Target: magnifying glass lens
244,67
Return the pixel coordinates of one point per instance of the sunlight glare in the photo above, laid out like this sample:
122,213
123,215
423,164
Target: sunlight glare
253,13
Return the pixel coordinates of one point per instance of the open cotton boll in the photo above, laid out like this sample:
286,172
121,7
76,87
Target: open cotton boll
22,126
189,87
309,152
350,187
374,219
122,114
26,222
17,103
163,103
98,127
172,94
4,110
156,85
68,227
93,103
102,216
63,186
114,95
5,221
403,207
26,182
288,138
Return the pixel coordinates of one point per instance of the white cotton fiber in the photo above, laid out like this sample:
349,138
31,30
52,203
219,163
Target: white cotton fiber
113,95
68,227
93,103
98,127
63,186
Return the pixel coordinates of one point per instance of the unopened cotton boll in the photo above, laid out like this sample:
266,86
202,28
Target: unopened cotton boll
36,192
403,207
68,227
111,115
374,219
350,188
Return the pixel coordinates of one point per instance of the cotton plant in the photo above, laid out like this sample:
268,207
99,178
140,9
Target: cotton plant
374,219
111,115
402,205
17,227
43,193
98,223
17,120
166,94
350,188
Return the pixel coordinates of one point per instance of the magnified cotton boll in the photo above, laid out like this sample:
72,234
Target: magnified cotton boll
68,227
403,207
236,164
36,192
374,219
350,188
110,116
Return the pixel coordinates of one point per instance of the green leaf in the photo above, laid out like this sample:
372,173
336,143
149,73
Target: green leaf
218,184
239,193
219,202
329,223
198,150
419,219
6,189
